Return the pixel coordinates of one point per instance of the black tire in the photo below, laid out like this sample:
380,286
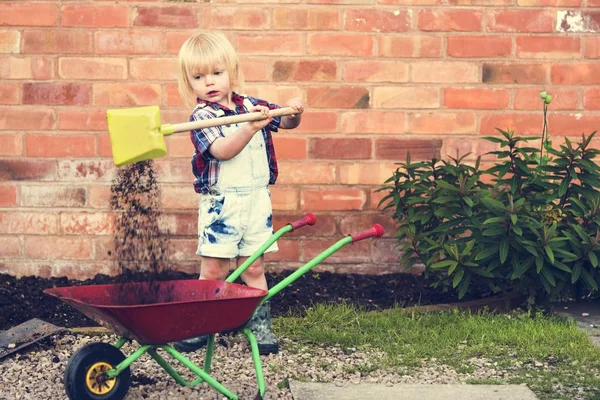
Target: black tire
90,358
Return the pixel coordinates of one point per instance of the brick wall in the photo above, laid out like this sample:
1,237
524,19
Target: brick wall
379,78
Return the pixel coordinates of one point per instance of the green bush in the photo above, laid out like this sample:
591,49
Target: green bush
533,229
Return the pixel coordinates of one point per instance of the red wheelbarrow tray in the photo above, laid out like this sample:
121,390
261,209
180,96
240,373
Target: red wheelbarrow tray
181,309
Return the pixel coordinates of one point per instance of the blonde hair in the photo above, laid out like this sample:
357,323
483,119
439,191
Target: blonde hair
205,51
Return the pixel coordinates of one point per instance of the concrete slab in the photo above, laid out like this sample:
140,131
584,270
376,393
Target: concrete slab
329,391
585,313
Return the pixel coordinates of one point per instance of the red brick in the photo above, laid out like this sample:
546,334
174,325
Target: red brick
457,148
285,199
172,97
53,196
254,70
522,124
374,198
405,97
442,123
126,94
562,99
35,223
578,21
56,247
355,253
179,198
95,16
378,122
326,224
26,170
576,74
57,41
86,223
549,3
593,3
409,46
313,173
92,68
359,222
9,93
363,173
271,44
38,118
173,170
44,145
479,46
289,250
515,73
11,144
305,19
162,69
592,47
375,71
318,121
290,148
548,47
27,68
10,41
337,97
444,72
371,20
241,18
99,196
591,99
385,251
8,197
170,17
340,149
82,120
11,245
56,94
450,20
275,93
520,21
334,44
573,124
128,42
181,249
489,99
304,70
37,14
175,40
397,149
92,170
332,199
449,2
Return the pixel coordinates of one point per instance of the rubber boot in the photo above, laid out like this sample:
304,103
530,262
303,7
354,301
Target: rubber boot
260,326
193,344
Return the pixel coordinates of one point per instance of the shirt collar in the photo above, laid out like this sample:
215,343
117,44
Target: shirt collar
237,99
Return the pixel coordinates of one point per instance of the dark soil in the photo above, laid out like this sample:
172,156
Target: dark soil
23,299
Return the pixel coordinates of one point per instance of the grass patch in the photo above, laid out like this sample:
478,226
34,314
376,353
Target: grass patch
548,353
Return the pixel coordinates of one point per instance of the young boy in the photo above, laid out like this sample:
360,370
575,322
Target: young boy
233,167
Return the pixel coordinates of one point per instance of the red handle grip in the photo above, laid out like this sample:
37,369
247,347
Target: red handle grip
308,219
375,231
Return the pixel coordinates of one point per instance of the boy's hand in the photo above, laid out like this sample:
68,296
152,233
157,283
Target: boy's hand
297,104
261,123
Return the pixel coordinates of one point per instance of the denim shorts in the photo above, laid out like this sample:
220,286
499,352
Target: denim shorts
235,222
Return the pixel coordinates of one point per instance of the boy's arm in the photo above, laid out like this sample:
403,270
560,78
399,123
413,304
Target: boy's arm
227,147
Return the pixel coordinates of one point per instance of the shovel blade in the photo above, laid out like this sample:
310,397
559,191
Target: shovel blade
25,334
135,134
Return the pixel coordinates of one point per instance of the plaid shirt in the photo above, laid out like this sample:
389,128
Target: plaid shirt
206,167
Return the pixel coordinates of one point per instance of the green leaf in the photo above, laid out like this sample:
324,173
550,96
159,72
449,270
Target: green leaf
458,277
493,220
539,263
464,285
486,252
548,275
550,253
562,188
443,264
503,250
482,272
514,218
593,259
588,279
492,204
576,273
517,230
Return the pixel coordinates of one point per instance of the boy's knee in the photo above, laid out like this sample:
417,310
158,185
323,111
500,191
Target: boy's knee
256,270
214,269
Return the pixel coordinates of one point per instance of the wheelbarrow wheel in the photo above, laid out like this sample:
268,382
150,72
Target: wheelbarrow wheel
84,375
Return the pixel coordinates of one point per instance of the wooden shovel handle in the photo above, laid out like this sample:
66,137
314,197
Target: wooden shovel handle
233,119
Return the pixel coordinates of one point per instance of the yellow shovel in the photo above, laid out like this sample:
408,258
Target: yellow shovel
136,134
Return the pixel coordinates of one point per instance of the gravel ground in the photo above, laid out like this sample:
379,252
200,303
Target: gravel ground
37,371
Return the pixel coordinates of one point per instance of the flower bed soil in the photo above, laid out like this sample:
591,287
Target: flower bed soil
23,299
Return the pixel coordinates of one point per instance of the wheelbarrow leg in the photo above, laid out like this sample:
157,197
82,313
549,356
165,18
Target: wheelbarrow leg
260,380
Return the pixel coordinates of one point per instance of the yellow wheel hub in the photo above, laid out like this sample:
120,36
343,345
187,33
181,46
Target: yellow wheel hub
96,379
